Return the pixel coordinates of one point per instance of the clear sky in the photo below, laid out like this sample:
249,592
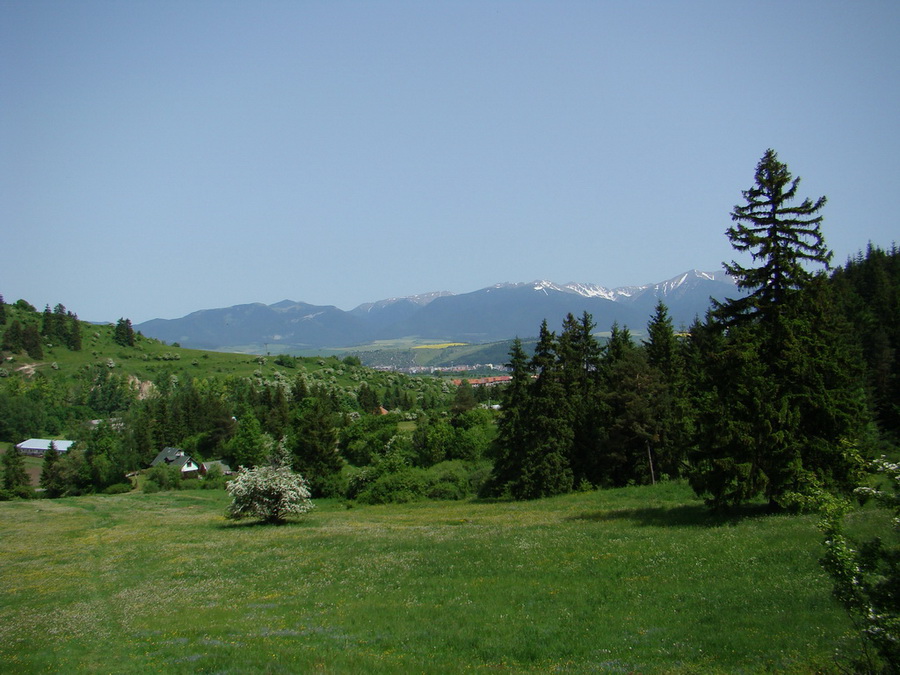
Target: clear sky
162,157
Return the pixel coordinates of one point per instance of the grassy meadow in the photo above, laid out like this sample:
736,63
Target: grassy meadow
629,580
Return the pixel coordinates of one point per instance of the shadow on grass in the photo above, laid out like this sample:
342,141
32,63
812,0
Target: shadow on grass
244,524
693,515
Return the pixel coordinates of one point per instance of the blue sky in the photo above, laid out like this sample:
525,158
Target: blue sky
163,157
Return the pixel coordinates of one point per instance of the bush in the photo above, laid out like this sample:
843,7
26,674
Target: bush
405,485
117,489
456,479
448,480
166,477
213,480
150,487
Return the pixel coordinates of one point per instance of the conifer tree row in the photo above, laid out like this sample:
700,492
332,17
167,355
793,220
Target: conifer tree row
579,415
764,398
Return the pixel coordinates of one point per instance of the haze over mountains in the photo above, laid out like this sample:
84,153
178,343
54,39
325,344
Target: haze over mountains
499,312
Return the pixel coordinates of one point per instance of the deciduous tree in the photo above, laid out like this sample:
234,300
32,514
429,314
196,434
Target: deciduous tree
271,492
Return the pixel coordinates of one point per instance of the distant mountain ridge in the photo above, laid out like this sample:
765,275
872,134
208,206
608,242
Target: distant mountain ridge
498,312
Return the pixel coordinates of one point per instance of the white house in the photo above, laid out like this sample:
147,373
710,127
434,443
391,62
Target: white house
177,457
36,447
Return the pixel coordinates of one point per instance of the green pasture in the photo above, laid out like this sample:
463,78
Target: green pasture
630,580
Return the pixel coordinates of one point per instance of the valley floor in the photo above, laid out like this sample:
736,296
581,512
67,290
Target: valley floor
631,580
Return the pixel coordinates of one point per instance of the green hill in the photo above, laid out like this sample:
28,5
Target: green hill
52,389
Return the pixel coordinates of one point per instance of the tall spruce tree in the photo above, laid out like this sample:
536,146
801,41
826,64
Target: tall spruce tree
780,237
787,406
665,356
50,477
510,444
547,468
579,358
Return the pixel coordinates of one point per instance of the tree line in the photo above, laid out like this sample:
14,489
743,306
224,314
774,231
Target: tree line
787,388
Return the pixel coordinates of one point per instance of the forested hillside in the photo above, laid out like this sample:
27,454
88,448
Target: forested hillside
124,397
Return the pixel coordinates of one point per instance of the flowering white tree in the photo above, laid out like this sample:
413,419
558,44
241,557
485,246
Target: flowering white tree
866,576
269,493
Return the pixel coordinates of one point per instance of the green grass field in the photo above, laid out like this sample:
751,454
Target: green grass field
631,580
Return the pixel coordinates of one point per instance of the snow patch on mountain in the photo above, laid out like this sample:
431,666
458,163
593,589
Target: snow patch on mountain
421,300
663,288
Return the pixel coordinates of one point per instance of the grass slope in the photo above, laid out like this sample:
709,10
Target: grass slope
150,360
631,580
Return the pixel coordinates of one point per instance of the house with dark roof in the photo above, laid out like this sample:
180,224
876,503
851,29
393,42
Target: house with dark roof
178,458
223,468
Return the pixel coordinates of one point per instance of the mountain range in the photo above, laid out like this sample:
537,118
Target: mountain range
499,312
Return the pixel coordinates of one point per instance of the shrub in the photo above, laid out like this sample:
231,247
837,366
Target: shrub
214,479
448,480
406,485
166,477
150,487
117,489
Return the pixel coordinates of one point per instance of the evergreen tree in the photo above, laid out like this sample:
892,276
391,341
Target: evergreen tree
31,342
511,441
743,426
635,399
50,475
48,329
675,424
123,333
2,312
547,466
247,447
73,335
464,399
106,457
300,390
579,357
620,342
662,345
277,415
367,399
15,478
868,289
314,446
12,338
787,399
781,237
